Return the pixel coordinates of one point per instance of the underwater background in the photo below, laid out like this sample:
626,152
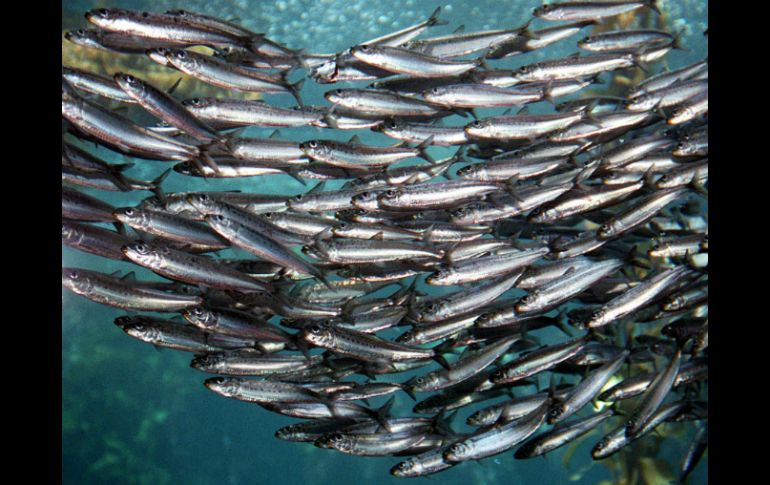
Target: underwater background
132,414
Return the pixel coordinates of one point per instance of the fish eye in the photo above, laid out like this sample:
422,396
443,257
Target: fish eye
392,125
145,14
364,48
476,124
312,144
338,91
390,193
80,32
299,197
181,55
315,329
129,211
435,91
268,215
419,380
103,12
343,225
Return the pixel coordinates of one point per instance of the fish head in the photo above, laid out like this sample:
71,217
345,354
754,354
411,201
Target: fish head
316,149
134,86
159,55
300,202
200,317
526,303
197,103
105,17
596,320
131,216
456,452
440,277
340,442
478,128
70,233
218,221
406,468
471,171
186,168
482,417
320,335
437,94
203,203
389,127
143,331
143,254
225,386
408,337
555,412
83,37
463,214
77,280
325,73
367,200
388,197
526,73
424,383
337,96
205,362
182,59
485,319
610,229
605,447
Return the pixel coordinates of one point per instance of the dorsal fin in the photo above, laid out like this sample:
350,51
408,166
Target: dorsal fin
460,29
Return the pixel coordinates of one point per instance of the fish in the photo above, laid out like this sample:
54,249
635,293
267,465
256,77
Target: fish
590,10
411,62
194,269
526,219
561,435
111,291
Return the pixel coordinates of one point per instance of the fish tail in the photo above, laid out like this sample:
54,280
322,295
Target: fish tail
653,5
434,20
155,186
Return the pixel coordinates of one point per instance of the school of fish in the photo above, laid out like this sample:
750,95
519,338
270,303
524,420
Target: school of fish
555,264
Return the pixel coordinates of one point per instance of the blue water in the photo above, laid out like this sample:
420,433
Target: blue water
132,414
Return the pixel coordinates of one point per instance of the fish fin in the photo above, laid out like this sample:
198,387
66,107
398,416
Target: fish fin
174,86
459,30
292,173
319,187
354,140
129,277
119,227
